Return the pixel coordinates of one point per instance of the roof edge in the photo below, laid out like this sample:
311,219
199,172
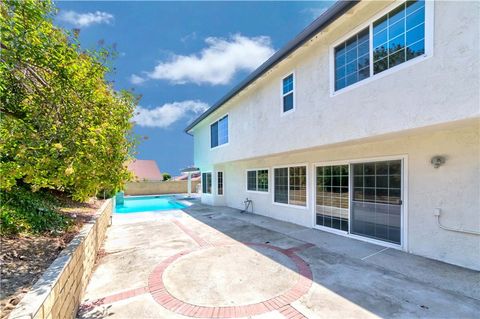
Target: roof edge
330,15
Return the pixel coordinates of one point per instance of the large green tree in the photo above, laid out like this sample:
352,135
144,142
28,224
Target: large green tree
63,126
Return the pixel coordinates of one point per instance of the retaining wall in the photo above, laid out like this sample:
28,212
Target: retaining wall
154,188
57,294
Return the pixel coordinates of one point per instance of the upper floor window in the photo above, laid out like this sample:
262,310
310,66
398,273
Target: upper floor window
257,180
287,93
207,183
399,36
396,37
352,60
219,132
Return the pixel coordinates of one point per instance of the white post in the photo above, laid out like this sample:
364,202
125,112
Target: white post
189,184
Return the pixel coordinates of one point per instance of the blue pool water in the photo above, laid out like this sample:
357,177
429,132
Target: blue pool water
147,203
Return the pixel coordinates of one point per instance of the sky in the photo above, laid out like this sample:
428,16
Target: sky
182,57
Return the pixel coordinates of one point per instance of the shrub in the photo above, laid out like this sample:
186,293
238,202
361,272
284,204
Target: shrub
24,211
63,126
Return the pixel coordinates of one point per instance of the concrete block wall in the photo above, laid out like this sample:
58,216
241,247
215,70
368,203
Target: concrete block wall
156,188
57,294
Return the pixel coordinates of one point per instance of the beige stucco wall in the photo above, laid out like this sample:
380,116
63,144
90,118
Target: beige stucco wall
57,294
454,187
153,188
438,89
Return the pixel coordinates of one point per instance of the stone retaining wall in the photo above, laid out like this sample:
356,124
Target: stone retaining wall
155,188
57,294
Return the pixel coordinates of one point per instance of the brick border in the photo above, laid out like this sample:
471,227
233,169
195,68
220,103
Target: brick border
161,295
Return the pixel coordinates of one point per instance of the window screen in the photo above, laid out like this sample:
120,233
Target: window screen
252,180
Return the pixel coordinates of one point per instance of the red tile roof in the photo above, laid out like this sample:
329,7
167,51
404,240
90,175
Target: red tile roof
145,170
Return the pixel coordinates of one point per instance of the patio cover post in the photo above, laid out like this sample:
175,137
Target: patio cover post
189,171
189,184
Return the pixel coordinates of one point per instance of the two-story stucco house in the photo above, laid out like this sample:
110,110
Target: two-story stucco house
367,125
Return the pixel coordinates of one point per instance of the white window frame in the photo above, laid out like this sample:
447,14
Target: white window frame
307,177
256,182
325,228
210,131
429,37
404,244
223,183
282,113
211,179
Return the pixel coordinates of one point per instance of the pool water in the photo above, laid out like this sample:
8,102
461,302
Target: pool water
147,203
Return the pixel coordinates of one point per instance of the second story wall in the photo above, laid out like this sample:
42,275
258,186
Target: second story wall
442,87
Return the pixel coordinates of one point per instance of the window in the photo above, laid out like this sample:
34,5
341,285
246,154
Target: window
332,196
207,183
399,36
287,93
257,180
396,37
219,132
219,183
352,60
290,185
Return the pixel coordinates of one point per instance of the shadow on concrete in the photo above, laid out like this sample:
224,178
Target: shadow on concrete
359,275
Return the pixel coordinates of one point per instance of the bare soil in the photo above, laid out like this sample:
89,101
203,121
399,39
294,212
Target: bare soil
23,259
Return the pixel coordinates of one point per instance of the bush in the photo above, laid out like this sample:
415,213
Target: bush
64,127
166,177
24,211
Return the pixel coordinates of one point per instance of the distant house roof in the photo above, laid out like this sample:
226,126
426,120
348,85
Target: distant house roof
326,18
145,170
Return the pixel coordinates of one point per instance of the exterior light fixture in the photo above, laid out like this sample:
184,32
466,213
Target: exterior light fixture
438,161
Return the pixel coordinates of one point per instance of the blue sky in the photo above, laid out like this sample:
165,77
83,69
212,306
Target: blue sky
181,57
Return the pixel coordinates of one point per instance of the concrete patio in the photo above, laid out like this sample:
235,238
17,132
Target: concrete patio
215,262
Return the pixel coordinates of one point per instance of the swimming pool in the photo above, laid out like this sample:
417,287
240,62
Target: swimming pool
147,203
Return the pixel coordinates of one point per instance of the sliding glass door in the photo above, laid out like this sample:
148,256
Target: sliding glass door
332,197
377,200
373,210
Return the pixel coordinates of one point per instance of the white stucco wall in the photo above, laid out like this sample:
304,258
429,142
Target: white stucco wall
454,187
429,108
439,89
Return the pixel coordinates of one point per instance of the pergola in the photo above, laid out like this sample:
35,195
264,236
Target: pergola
189,171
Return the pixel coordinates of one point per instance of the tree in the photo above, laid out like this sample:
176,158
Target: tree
166,177
63,126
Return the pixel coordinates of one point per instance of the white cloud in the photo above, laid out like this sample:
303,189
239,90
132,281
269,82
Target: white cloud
135,79
217,63
165,115
85,19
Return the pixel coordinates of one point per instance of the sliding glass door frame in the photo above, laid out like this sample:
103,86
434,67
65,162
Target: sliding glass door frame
314,170
404,196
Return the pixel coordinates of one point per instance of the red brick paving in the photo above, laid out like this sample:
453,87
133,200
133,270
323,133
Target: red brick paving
170,302
290,312
160,294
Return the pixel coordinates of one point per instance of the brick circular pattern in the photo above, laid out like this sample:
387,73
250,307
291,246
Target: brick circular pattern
161,295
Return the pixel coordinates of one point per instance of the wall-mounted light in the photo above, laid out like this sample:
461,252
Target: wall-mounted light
438,161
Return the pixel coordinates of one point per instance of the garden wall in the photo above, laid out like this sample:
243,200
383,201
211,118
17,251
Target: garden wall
57,294
154,188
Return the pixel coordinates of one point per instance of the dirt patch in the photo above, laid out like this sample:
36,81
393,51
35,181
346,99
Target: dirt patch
24,259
